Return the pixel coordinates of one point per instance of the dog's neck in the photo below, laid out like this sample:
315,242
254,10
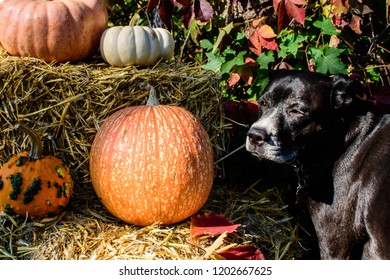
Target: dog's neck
314,165
314,180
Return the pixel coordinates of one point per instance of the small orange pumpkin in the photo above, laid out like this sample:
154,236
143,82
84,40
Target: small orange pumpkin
152,164
32,184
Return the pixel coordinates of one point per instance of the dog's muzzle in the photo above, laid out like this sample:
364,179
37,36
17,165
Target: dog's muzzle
257,136
266,145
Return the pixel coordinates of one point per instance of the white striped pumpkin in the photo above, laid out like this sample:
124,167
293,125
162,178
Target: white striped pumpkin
136,45
152,164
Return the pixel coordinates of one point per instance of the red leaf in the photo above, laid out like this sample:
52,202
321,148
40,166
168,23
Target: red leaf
203,10
242,252
355,24
166,11
250,62
181,3
339,22
287,10
189,9
276,5
234,78
283,19
211,224
256,22
299,2
243,72
295,10
269,44
262,37
254,43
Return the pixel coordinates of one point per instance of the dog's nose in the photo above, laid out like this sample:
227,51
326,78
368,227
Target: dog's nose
256,136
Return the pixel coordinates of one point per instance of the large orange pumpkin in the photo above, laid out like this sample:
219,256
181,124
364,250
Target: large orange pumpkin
152,164
53,30
32,184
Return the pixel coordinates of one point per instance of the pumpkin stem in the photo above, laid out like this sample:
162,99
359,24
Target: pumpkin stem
36,148
134,19
152,100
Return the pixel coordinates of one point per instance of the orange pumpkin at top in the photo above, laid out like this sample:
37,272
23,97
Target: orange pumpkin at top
34,185
152,164
52,30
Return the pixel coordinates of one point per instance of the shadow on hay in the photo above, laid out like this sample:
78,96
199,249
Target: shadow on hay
242,170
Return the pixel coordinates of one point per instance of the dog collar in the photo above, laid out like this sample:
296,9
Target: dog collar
301,192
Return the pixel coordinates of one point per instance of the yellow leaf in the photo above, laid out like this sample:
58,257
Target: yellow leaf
266,31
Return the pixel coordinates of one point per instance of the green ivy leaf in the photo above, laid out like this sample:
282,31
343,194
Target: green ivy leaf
290,44
232,60
206,44
326,60
214,63
265,59
194,32
259,84
222,33
240,36
372,73
326,26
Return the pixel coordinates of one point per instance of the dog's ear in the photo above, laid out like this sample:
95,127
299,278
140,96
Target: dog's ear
344,91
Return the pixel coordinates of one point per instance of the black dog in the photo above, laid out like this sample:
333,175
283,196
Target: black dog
340,147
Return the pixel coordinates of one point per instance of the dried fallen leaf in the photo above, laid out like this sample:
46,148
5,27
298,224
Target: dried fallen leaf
212,224
242,252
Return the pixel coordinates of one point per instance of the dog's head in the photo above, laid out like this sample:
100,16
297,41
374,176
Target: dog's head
297,109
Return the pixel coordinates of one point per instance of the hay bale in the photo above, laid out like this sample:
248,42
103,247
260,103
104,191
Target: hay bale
66,104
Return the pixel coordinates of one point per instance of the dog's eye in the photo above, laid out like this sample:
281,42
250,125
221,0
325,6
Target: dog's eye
262,104
295,111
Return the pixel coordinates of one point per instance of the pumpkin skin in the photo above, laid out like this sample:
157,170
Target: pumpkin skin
135,45
34,187
52,30
167,44
152,164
